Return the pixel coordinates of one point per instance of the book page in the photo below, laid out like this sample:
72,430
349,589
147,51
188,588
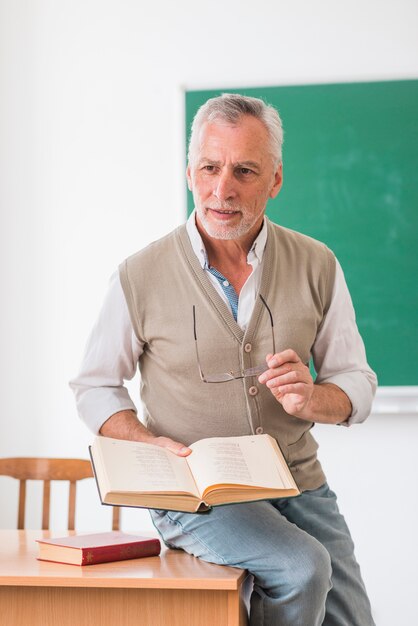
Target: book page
132,466
249,460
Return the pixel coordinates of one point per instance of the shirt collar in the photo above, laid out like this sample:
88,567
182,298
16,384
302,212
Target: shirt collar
254,255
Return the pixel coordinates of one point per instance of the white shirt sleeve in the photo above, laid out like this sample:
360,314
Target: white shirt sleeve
339,355
111,357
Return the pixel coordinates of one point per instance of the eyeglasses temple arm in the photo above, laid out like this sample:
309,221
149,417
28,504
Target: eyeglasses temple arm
271,321
201,374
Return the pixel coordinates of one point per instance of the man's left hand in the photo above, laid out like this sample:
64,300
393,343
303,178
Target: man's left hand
290,382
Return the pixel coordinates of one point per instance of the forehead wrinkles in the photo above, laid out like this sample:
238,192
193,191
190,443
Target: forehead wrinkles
243,142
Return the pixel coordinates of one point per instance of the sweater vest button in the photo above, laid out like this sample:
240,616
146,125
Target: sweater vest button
248,347
259,430
253,391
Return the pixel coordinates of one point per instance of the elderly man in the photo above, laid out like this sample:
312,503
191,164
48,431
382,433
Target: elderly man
234,285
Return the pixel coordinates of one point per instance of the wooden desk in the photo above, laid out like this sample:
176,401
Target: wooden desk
174,589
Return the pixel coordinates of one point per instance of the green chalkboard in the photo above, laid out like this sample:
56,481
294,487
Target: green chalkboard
351,180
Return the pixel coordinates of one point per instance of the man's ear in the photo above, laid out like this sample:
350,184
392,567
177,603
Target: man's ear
278,181
189,178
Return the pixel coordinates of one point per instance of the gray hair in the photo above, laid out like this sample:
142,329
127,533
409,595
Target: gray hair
230,107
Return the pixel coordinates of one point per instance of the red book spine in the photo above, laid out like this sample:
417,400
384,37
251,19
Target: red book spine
105,554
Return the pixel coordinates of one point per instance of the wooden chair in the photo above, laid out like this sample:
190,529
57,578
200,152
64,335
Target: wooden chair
46,470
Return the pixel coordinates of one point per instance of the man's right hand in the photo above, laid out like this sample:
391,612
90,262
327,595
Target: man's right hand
125,425
165,442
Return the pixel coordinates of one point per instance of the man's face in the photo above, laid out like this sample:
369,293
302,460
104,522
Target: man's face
232,177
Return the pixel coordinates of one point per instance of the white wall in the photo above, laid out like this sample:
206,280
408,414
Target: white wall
91,169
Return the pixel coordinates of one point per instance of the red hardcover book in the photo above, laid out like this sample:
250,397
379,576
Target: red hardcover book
97,548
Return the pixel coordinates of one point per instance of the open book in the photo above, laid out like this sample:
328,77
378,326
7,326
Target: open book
220,470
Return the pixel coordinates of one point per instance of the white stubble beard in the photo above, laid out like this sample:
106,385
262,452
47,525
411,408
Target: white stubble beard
228,232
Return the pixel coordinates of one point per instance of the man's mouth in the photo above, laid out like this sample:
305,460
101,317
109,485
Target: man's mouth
224,211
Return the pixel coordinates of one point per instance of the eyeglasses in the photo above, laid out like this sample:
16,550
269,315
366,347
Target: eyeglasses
227,376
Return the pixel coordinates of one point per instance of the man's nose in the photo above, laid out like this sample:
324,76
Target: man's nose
225,187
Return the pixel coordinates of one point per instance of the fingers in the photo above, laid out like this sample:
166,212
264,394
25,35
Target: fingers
287,356
286,382
174,446
286,371
289,380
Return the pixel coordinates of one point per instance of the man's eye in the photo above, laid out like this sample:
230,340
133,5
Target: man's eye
245,171
209,168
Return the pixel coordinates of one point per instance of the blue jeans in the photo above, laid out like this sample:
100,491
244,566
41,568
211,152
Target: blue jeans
299,551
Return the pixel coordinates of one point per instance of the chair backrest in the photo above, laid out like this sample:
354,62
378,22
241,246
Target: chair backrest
46,470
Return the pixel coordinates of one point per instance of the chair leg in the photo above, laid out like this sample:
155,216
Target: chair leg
116,518
71,506
46,503
22,504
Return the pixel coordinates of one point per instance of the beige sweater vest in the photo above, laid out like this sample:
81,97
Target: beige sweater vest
162,283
